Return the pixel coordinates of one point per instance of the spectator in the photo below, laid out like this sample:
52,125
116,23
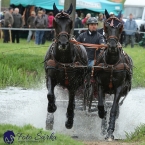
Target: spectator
130,27
82,16
84,21
78,24
50,26
30,23
100,21
8,22
45,16
17,24
40,23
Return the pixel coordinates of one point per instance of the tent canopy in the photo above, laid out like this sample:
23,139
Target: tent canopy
93,5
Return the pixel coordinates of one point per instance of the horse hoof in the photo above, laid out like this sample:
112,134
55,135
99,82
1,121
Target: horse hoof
110,139
69,124
51,108
109,136
102,113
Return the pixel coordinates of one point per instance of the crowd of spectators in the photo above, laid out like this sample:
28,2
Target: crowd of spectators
12,18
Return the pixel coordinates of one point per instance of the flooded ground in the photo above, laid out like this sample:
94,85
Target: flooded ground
20,107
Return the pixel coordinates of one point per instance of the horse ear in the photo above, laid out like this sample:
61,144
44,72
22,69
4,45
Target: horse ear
55,10
107,14
119,15
69,11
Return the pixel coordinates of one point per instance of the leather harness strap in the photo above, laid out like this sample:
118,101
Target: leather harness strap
113,37
63,32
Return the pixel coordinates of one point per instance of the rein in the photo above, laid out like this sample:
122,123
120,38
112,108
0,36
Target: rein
95,46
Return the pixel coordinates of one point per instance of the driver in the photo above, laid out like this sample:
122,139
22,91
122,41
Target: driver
93,37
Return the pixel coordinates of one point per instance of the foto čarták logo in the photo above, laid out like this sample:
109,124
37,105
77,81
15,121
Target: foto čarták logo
9,137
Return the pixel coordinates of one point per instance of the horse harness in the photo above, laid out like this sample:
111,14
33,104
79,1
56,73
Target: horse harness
121,65
53,63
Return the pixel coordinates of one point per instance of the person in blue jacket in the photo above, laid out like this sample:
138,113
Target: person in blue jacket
130,27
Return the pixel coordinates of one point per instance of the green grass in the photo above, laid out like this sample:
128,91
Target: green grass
32,131
137,136
21,64
5,3
138,56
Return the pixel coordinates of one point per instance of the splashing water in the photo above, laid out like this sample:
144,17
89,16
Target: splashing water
20,107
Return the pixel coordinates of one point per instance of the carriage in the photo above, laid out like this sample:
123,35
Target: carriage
66,64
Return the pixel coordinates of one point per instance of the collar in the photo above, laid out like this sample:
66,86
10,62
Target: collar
91,33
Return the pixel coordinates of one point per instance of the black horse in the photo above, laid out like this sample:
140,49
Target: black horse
64,63
114,71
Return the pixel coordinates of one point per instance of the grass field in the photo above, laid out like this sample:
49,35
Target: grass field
29,135
138,56
21,64
137,136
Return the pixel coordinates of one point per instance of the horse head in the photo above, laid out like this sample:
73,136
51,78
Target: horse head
62,24
113,28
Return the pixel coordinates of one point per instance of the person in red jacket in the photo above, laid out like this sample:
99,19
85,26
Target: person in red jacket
50,26
84,21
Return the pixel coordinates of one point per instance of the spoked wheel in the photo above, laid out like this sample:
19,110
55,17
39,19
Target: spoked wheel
86,92
91,95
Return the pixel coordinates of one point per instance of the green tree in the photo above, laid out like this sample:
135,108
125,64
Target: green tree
5,3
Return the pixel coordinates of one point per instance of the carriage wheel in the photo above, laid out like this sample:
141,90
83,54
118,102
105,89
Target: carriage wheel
91,95
86,94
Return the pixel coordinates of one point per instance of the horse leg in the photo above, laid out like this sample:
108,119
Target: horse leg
104,125
50,96
101,97
113,114
70,110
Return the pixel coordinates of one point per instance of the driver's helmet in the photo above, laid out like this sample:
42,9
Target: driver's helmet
92,20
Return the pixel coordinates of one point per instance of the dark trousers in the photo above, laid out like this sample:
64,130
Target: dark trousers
15,35
44,37
128,38
50,35
6,36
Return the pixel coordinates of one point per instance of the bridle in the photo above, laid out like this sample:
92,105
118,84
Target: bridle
112,19
62,33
